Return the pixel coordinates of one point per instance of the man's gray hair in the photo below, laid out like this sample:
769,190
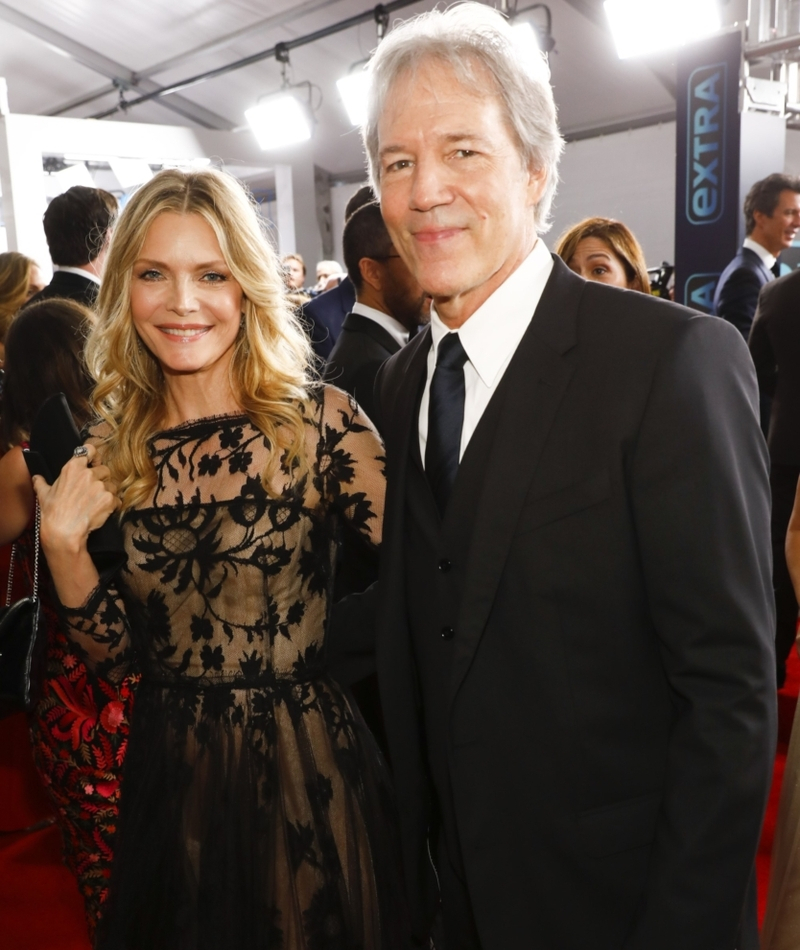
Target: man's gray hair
466,36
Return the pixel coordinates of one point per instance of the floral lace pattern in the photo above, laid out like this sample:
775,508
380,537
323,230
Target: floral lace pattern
255,810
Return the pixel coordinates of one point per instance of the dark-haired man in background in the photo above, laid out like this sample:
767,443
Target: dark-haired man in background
390,305
772,218
324,315
77,225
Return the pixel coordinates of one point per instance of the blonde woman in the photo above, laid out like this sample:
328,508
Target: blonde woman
254,806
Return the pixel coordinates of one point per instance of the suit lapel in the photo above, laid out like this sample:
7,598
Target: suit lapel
531,391
358,323
759,265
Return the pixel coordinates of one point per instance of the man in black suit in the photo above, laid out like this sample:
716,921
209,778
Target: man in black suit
574,635
775,348
325,313
390,305
772,218
77,225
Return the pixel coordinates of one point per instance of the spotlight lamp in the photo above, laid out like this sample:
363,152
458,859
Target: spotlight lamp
354,90
640,27
282,118
531,35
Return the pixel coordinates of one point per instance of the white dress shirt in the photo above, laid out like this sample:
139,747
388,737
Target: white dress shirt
79,271
763,253
392,326
490,338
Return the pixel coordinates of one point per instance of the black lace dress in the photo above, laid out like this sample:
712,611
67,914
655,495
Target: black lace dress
255,807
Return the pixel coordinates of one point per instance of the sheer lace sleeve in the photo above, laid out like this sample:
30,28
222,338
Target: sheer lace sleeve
351,463
100,630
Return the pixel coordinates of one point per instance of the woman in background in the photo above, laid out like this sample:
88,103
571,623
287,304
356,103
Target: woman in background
605,250
255,806
20,279
79,727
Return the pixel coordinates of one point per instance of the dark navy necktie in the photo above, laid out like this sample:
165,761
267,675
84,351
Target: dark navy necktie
445,418
776,269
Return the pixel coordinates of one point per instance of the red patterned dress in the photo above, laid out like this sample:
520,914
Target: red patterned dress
79,729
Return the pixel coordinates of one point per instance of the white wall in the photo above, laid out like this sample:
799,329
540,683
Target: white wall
629,176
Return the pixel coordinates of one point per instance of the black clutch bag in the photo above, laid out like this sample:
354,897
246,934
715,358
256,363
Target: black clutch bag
54,438
22,639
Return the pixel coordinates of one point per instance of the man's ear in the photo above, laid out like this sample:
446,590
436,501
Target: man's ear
371,273
537,182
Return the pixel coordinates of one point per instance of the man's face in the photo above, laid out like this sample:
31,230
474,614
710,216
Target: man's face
455,194
295,275
778,230
405,300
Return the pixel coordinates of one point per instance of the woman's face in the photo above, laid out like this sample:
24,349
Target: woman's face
35,282
594,260
186,305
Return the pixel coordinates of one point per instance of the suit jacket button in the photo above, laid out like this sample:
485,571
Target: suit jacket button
448,633
445,565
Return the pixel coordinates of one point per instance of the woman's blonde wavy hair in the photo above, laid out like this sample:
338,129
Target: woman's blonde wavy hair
270,370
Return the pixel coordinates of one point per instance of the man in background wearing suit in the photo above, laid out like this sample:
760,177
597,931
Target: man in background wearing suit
775,348
772,218
77,225
390,305
325,313
574,633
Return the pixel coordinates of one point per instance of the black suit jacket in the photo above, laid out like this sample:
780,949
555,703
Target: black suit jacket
775,348
738,287
611,710
362,348
324,316
72,286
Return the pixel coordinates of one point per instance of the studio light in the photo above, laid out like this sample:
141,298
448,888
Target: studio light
354,89
279,120
525,38
640,27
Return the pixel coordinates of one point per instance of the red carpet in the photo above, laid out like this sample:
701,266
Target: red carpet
787,701
40,908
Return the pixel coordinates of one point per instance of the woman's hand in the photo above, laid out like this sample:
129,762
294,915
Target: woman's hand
77,502
80,500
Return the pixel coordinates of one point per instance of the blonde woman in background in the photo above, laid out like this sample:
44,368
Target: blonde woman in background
255,808
607,251
20,279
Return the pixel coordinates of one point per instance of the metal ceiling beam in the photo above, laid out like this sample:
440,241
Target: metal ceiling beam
222,42
592,10
98,63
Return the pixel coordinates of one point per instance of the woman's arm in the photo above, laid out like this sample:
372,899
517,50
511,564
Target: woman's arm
16,492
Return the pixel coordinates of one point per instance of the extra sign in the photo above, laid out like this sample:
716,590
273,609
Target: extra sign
707,163
705,197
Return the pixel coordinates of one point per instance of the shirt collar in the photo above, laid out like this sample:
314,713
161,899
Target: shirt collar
491,335
79,271
763,253
392,326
